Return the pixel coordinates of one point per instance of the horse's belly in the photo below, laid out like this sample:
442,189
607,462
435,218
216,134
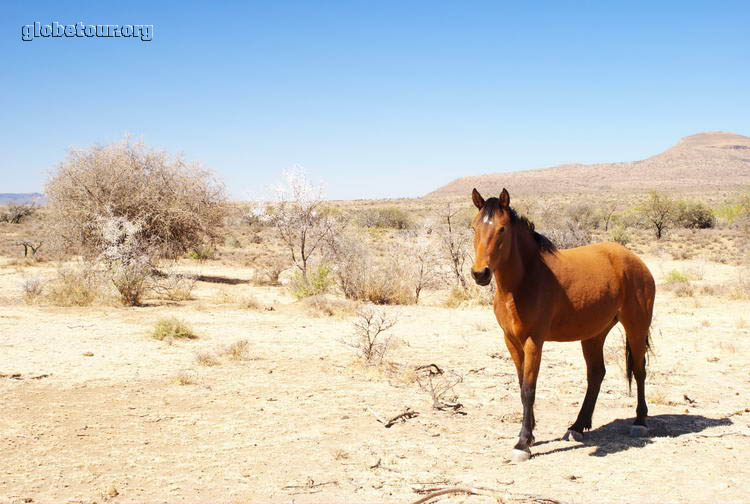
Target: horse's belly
584,320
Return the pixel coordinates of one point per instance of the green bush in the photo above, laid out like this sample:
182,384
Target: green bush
695,215
388,217
202,253
675,276
320,280
619,234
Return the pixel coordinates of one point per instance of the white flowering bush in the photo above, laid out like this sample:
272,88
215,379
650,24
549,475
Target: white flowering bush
125,255
300,218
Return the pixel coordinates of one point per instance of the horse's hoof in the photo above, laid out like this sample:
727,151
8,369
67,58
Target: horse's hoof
638,431
520,455
577,436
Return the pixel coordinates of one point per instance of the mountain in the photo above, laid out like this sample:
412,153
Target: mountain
19,198
713,160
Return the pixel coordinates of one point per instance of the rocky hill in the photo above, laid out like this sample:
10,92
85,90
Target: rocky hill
714,160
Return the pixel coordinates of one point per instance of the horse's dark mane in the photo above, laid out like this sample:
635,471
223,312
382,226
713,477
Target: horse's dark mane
492,206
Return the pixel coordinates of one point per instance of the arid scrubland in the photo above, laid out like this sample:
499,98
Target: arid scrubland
300,349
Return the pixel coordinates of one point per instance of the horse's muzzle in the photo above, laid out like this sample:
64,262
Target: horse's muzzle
482,277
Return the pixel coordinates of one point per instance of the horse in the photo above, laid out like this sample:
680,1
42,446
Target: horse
547,294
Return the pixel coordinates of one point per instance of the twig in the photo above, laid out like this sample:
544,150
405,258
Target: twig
453,490
405,415
740,434
432,369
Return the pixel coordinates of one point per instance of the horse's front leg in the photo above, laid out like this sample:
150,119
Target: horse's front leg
532,353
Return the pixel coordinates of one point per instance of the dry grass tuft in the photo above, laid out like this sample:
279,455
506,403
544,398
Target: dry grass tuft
329,306
77,285
169,329
238,350
186,378
207,359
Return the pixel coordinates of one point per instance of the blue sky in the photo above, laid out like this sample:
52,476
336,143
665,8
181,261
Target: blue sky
378,99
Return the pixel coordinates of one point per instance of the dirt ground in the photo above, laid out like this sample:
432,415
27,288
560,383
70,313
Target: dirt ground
93,408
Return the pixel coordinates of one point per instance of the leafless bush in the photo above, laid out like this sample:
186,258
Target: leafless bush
567,234
172,285
360,276
268,271
179,206
440,385
15,213
454,242
424,263
368,338
32,289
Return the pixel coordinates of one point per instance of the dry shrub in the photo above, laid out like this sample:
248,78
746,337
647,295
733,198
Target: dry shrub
173,286
397,279
329,306
368,339
567,234
186,378
79,284
440,386
268,271
237,350
179,206
32,289
250,302
172,328
207,359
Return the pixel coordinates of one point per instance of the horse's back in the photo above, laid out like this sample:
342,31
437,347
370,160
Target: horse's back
597,282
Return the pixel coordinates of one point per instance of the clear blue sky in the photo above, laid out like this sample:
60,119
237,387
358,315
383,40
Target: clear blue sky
379,99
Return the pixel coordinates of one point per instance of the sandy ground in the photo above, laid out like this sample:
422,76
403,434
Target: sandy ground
296,420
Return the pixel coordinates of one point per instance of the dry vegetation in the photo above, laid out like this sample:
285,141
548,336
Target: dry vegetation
300,352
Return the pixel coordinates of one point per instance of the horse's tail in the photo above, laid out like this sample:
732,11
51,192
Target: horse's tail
629,358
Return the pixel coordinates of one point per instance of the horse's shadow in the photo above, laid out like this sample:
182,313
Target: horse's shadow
615,436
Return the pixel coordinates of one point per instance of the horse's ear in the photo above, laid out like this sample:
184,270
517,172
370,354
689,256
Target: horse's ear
504,198
477,199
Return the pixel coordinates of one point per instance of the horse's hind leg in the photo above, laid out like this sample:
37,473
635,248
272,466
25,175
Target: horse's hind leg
593,352
637,334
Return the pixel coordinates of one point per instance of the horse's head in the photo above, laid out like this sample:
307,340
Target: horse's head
492,234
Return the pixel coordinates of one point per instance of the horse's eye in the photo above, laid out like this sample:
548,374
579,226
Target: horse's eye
502,229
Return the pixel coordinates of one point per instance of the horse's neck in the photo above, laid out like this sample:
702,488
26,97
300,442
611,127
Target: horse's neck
521,260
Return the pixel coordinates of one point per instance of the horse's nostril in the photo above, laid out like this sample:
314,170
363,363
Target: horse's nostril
481,276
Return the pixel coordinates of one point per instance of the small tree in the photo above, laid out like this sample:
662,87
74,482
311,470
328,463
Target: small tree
15,213
424,263
303,223
454,242
659,211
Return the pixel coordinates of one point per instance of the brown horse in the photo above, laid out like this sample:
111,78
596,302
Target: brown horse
546,294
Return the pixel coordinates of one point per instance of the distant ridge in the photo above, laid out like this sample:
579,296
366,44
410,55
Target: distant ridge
712,160
19,198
